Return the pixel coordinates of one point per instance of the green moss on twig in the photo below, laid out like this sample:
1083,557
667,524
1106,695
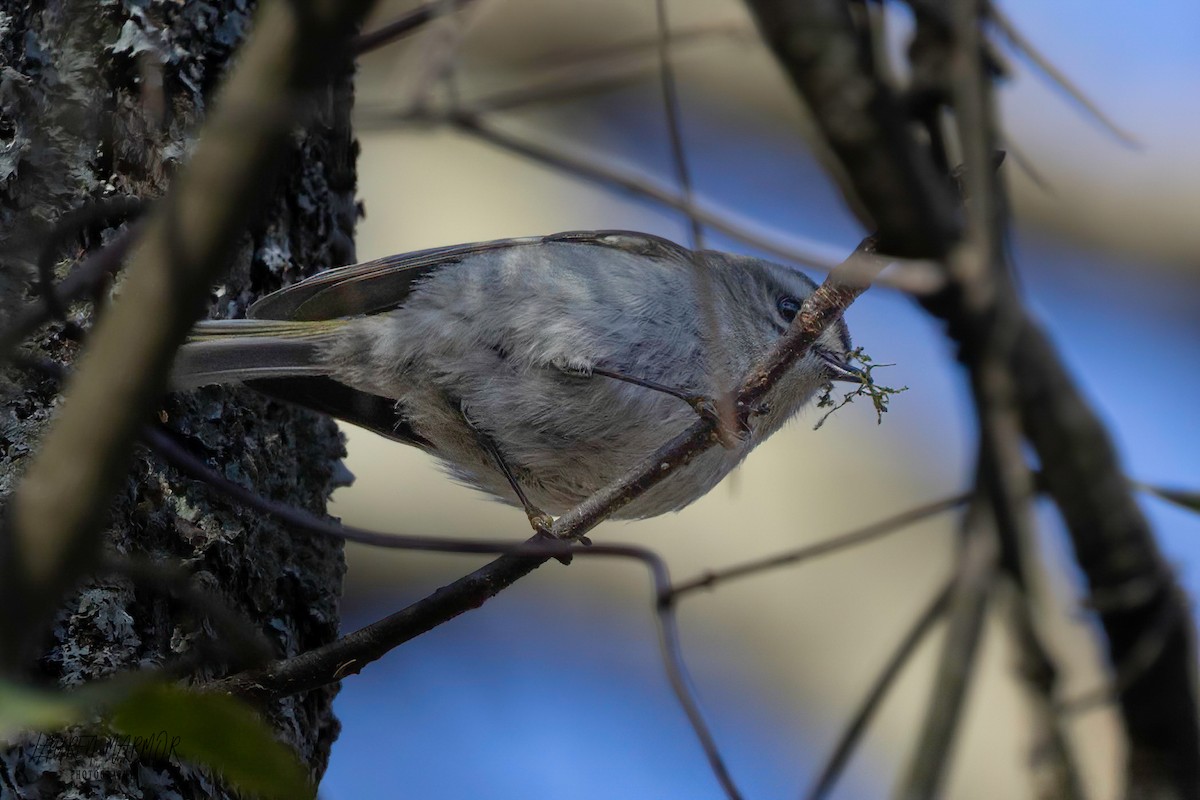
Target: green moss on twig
880,395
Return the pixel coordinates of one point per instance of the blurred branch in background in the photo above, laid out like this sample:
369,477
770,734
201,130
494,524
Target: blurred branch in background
889,175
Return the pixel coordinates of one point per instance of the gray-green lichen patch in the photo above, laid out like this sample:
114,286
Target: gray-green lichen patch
79,122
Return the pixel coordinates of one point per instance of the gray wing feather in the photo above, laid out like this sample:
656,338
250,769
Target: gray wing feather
384,284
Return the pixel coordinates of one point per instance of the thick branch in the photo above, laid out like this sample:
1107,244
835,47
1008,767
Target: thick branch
887,177
1132,585
1015,369
818,45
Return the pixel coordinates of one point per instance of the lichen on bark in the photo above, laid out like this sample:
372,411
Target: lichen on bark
98,101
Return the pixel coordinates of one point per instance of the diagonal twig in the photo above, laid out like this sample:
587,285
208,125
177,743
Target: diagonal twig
857,726
1059,78
397,29
864,535
973,582
670,97
1055,774
914,277
351,653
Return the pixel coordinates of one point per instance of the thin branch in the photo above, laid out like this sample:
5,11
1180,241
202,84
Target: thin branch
911,276
973,582
630,182
1057,77
852,735
670,96
840,292
638,45
165,445
672,656
863,535
1184,498
411,22
350,653
561,89
598,70
1055,774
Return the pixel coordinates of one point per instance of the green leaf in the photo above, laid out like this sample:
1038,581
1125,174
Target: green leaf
217,731
1180,497
24,708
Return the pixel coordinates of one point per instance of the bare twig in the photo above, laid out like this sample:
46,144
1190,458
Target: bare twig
854,731
598,70
351,653
1184,498
557,89
670,95
162,443
863,535
1055,774
633,183
672,654
812,319
914,277
973,582
1059,78
640,45
411,22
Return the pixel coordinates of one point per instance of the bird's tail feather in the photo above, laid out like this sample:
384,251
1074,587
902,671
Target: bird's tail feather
236,350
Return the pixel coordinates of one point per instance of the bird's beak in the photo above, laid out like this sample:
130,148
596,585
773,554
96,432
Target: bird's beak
839,370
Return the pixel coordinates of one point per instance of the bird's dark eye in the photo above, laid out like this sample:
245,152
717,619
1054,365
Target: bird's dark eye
788,307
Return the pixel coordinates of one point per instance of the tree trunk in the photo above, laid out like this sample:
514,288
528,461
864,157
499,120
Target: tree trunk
99,101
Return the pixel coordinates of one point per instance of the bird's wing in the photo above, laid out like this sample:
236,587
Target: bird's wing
384,284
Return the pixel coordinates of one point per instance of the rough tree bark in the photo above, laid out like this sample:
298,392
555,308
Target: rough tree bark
99,101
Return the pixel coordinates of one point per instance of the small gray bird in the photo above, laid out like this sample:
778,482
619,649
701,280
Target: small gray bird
536,369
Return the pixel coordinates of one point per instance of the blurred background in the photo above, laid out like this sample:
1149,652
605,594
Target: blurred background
555,688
